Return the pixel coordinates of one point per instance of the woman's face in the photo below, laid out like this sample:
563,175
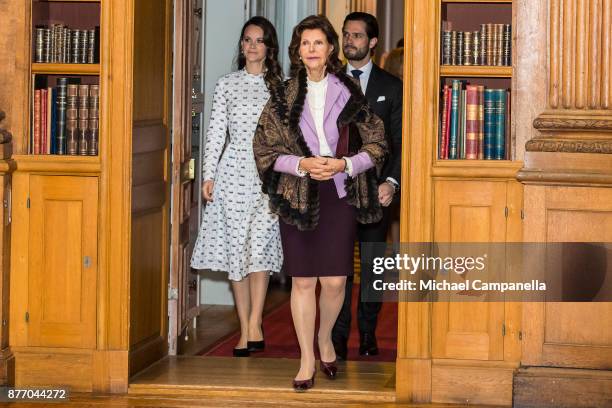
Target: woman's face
253,46
314,49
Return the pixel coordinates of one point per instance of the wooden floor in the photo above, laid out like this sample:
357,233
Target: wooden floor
263,377
217,321
155,401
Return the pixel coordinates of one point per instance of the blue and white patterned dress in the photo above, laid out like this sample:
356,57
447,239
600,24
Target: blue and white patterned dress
239,234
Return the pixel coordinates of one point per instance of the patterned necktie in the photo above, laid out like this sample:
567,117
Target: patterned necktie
356,74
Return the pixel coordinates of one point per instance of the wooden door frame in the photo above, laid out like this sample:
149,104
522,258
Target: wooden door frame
181,132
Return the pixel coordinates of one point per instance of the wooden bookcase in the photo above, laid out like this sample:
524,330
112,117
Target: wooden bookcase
447,350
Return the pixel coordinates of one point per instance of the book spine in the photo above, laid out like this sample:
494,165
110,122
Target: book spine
43,121
97,44
467,48
508,127
39,44
37,109
460,45
83,46
72,119
490,45
83,119
49,120
93,124
475,47
444,124
75,52
453,48
500,125
471,123
507,58
446,48
500,45
480,122
448,113
462,132
454,122
46,45
489,123
91,46
62,84
483,44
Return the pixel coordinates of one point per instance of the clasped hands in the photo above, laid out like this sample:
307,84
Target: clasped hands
322,168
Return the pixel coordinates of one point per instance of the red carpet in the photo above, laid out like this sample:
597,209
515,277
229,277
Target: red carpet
281,341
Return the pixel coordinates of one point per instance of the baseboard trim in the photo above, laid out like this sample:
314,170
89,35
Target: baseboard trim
543,387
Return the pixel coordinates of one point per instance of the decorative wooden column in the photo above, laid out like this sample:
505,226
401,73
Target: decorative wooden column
564,94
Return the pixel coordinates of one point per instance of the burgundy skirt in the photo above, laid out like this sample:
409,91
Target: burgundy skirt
328,249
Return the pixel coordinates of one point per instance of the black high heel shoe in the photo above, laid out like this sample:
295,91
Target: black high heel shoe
241,352
255,346
304,385
329,369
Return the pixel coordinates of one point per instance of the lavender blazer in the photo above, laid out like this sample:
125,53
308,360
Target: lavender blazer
335,100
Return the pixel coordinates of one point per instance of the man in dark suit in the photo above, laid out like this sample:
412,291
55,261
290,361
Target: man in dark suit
384,94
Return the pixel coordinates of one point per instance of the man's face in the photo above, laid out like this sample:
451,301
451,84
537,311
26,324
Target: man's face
355,42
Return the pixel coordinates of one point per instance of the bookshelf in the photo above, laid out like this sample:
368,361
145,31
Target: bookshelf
457,200
66,69
65,90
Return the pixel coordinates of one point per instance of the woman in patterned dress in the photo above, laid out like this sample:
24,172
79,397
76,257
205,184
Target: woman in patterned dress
239,234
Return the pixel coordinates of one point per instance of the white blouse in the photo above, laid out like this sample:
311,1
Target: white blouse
316,95
317,92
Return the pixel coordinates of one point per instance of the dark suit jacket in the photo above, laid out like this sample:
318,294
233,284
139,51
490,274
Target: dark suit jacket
382,84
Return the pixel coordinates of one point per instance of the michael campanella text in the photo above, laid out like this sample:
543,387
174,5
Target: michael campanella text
444,285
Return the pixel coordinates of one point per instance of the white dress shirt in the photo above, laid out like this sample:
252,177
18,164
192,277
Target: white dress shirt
365,75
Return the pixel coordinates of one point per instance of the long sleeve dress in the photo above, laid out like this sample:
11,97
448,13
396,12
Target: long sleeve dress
239,234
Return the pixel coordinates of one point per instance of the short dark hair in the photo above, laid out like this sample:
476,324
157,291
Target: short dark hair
371,24
313,23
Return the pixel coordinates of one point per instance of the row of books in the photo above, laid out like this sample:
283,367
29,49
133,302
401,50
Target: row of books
66,119
489,46
60,44
475,122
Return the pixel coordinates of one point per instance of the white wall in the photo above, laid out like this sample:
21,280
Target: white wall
223,22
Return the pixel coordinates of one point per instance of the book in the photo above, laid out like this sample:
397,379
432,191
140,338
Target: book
461,134
460,45
508,126
475,48
443,124
471,122
507,45
48,135
37,112
62,85
490,45
489,123
43,121
72,119
448,112
499,142
454,119
467,48
453,48
446,47
483,44
480,122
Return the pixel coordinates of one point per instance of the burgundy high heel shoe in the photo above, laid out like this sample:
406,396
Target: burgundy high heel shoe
329,369
304,385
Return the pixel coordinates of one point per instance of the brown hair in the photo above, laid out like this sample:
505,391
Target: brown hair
314,23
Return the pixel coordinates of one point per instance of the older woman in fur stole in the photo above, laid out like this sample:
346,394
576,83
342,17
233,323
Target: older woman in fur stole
318,148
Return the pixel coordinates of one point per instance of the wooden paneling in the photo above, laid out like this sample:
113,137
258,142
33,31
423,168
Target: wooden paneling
62,265
552,387
146,286
54,367
459,384
468,211
568,334
149,259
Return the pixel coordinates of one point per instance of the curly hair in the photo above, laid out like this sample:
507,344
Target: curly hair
273,75
320,22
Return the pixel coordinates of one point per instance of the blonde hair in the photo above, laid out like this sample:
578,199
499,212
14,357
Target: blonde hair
394,63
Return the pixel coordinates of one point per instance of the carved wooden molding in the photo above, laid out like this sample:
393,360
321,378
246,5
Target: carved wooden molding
580,54
569,145
571,124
